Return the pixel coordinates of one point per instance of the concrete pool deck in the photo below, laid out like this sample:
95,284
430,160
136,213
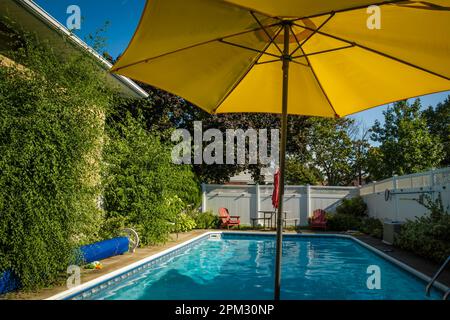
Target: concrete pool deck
422,265
114,263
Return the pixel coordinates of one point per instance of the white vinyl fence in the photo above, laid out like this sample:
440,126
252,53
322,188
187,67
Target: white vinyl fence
400,202
247,201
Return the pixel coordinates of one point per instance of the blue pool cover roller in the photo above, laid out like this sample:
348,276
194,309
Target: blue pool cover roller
104,249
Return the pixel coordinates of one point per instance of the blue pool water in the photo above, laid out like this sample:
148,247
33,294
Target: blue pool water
241,267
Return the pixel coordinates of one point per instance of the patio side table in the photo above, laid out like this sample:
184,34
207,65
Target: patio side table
292,219
269,215
264,221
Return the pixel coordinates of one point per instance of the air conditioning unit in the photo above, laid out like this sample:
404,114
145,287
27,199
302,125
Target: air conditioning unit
390,229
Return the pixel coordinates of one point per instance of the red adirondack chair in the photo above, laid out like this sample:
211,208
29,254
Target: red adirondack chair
318,220
227,220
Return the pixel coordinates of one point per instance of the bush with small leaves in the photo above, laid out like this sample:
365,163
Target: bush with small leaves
206,220
141,184
343,222
353,206
429,235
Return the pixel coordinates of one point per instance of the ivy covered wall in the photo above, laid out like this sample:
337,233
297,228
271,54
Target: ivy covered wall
58,158
51,114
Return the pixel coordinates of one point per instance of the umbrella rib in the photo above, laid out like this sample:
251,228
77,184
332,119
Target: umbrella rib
430,6
300,45
324,51
268,61
248,48
192,46
381,3
297,62
320,86
250,68
266,32
376,52
295,36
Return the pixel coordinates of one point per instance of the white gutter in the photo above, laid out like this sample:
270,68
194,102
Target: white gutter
56,25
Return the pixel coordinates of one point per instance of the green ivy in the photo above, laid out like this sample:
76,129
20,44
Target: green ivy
50,115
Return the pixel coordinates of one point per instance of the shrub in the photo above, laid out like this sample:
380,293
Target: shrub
419,236
141,184
372,227
184,223
343,222
428,236
354,206
206,220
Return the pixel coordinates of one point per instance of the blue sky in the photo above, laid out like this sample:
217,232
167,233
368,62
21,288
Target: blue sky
123,17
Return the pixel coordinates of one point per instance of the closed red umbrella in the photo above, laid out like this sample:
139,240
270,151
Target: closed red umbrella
276,188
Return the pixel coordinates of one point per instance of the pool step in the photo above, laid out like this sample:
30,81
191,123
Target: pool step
215,237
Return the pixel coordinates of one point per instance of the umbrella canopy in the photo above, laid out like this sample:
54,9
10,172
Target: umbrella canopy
276,187
210,53
336,58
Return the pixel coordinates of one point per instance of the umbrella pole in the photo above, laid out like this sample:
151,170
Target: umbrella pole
279,247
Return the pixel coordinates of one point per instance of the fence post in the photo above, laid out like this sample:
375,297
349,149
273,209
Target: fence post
433,183
203,197
258,200
395,184
308,200
374,184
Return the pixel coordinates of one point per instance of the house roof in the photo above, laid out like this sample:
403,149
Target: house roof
33,18
245,177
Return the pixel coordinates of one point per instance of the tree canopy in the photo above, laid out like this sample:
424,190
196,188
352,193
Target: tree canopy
405,143
438,121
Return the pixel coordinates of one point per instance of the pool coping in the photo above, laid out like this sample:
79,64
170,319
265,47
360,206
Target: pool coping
124,272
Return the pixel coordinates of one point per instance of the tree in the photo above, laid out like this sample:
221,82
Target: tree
331,149
375,164
438,121
361,146
164,112
298,173
405,144
307,136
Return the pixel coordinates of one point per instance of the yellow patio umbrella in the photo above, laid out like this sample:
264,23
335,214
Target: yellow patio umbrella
306,57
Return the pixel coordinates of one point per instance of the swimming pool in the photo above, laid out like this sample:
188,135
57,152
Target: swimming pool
239,266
